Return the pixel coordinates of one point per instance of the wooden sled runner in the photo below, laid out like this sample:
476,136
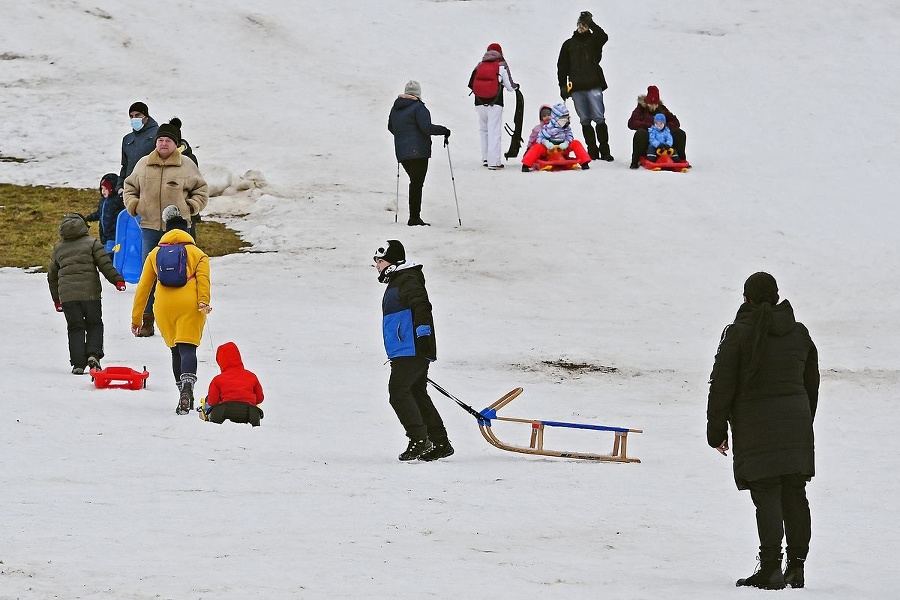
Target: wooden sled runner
620,445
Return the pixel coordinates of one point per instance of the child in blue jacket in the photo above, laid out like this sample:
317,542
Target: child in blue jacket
108,210
660,138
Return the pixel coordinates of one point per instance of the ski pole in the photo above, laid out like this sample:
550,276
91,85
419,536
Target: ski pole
453,179
397,199
481,418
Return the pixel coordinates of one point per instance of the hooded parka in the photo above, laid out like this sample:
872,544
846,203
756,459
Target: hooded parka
72,274
771,415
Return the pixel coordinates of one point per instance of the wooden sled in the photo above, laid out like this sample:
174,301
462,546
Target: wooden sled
620,445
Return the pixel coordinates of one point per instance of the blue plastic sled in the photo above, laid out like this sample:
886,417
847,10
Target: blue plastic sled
127,249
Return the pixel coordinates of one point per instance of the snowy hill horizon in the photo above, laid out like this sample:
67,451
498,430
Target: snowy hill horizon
109,494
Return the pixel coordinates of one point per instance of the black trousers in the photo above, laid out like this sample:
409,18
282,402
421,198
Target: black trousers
416,168
782,510
84,320
236,412
409,399
641,141
184,359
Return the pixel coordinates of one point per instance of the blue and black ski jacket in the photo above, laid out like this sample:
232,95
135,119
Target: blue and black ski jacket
407,323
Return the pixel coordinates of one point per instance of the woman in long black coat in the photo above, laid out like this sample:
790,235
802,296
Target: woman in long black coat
765,384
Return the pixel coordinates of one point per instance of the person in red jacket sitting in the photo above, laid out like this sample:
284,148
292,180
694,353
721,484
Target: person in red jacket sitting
234,393
648,105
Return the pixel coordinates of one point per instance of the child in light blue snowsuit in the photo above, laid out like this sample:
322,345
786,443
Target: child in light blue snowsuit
660,137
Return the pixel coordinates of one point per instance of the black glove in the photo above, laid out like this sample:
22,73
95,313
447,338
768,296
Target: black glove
446,138
563,93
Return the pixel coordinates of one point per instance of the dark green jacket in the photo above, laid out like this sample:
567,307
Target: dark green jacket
74,263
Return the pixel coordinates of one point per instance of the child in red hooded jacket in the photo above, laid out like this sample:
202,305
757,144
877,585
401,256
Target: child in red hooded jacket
234,393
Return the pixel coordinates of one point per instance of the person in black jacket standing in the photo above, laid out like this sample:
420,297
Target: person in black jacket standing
408,329
581,77
410,122
765,384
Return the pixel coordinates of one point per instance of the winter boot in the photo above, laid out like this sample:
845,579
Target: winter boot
413,221
146,329
585,166
438,450
793,575
526,169
77,370
93,363
634,163
186,397
767,577
590,140
415,449
603,142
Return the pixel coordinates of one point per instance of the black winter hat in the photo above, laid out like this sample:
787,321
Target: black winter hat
761,287
139,107
170,131
392,251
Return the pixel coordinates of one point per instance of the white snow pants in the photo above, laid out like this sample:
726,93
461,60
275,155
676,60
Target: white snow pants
490,122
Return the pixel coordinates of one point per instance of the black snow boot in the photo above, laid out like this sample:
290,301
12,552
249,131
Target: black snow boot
603,142
590,140
767,577
438,450
415,449
186,397
793,575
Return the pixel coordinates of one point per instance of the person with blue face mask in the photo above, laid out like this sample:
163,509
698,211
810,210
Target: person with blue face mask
140,142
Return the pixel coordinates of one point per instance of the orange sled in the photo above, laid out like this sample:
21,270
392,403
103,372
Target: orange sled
124,378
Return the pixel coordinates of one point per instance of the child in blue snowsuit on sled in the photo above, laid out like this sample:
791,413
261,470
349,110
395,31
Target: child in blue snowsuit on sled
660,140
556,136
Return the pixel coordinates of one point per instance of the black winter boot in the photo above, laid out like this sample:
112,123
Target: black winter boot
767,577
603,142
590,140
415,449
186,397
793,574
438,450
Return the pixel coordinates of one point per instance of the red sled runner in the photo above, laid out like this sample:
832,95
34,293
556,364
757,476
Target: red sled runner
664,162
126,378
557,161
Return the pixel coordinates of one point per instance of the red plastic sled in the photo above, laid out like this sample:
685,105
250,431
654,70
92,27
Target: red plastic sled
557,161
125,377
665,163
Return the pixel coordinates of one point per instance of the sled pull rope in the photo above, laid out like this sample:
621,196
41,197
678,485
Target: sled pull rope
483,419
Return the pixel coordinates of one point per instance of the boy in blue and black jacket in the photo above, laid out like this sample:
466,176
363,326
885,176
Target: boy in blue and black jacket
408,329
108,210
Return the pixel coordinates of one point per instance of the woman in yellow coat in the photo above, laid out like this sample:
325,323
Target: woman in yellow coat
180,312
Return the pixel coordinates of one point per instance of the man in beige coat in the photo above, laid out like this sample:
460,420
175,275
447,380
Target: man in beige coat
161,178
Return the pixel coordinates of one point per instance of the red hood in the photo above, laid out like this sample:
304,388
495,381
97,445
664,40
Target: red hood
228,356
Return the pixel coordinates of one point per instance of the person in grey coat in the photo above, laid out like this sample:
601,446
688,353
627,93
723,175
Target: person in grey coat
765,385
137,144
410,122
75,289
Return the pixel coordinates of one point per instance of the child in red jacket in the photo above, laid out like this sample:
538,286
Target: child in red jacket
235,393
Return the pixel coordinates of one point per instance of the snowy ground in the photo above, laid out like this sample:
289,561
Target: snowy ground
107,494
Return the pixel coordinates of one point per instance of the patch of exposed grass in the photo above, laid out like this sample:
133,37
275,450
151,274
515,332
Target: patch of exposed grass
30,215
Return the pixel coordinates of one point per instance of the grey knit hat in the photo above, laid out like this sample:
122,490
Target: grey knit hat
413,88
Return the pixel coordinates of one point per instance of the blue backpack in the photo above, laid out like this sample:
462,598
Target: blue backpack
171,265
